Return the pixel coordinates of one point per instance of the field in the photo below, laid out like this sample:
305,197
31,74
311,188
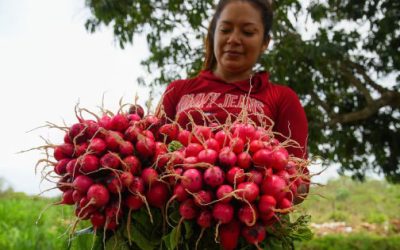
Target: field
345,215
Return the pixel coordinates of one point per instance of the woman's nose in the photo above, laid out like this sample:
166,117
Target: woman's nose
234,37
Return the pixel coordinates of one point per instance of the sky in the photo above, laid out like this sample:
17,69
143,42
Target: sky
49,63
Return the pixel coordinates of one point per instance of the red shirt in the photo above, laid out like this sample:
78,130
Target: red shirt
208,98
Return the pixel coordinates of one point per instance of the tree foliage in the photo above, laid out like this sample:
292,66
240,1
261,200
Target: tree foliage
342,57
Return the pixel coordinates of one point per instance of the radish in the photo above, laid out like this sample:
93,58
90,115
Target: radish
97,146
275,186
255,145
67,198
192,180
145,146
229,235
184,137
149,176
280,158
73,167
203,197
65,150
98,220
223,138
98,195
114,185
266,204
223,193
254,234
193,149
61,167
211,143
89,163
244,131
227,158
82,183
247,214
180,193
188,210
244,160
208,156
262,157
169,131
134,202
202,132
237,145
157,194
76,132
136,109
137,185
113,139
189,162
110,160
235,176
132,164
214,176
255,176
248,191
80,149
91,129
131,133
285,205
126,178
126,148
119,122
204,220
223,212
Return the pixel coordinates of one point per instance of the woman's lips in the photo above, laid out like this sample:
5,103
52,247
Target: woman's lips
231,53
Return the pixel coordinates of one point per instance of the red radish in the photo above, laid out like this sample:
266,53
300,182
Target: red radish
149,176
223,193
212,144
136,109
192,180
126,178
76,132
244,131
237,145
280,158
262,157
275,186
223,138
97,146
98,220
82,183
202,132
113,139
92,128
67,198
132,164
285,205
177,158
119,122
223,212
180,193
98,195
247,214
255,176
189,162
244,160
73,167
248,191
149,134
284,175
188,210
254,234
227,158
266,204
145,146
203,197
61,167
89,163
85,209
208,156
59,152
110,160
131,133
126,148
134,202
151,121
256,145
184,137
105,122
193,149
170,131
61,183
214,176
204,220
235,175
114,185
229,235
80,149
157,194
77,196
137,185
133,118
67,139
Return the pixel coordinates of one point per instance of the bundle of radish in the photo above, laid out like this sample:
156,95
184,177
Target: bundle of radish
230,185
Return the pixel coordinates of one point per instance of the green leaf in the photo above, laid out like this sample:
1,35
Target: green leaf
171,240
174,145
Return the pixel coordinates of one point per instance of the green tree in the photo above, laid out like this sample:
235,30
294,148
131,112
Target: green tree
342,58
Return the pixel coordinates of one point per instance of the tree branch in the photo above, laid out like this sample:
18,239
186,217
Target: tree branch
389,98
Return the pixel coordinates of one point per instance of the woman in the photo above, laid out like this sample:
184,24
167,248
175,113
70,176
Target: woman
237,36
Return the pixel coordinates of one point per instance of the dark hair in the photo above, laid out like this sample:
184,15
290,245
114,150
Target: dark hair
264,6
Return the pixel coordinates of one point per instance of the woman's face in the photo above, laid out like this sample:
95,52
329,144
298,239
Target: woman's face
239,39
